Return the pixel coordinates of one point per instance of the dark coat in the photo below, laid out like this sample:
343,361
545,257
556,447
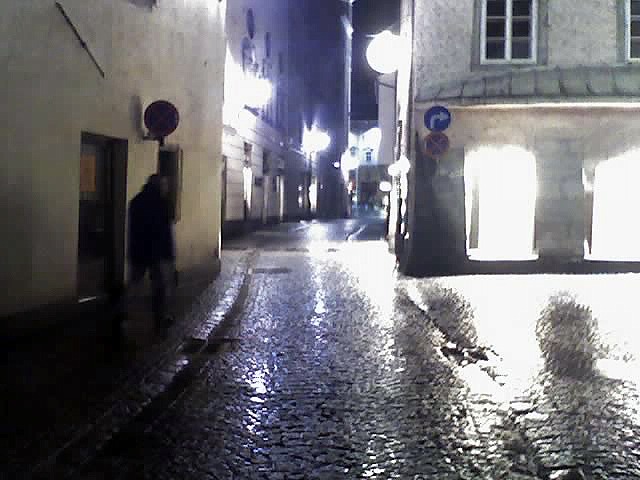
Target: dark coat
150,229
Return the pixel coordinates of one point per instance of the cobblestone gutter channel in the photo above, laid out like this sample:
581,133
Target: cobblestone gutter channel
568,423
160,379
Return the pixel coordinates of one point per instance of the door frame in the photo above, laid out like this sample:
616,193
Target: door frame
116,159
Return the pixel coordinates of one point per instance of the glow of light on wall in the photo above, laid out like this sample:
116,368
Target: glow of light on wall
313,196
315,140
246,119
258,91
348,161
242,90
372,138
616,202
353,140
506,181
247,177
382,52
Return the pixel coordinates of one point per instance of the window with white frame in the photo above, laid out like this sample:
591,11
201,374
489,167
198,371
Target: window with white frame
509,31
633,30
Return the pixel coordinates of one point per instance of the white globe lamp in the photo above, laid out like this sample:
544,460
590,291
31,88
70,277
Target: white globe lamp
383,52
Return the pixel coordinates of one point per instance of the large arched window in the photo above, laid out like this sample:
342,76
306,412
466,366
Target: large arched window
500,194
616,209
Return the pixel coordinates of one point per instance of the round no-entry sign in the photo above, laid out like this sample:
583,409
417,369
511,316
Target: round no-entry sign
161,118
436,144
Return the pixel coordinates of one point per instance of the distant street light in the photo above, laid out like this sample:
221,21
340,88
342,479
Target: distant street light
401,167
393,170
404,164
385,186
315,140
382,52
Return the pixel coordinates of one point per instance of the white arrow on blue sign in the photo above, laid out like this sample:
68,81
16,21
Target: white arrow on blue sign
437,119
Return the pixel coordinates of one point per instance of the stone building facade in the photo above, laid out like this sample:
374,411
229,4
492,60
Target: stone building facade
544,142
77,76
264,169
303,50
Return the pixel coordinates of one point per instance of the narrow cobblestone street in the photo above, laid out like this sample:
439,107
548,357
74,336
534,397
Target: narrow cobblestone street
339,368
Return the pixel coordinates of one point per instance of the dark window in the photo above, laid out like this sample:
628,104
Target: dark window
251,24
633,29
509,30
267,44
247,154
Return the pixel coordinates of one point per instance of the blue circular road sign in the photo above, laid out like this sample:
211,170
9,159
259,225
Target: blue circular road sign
437,119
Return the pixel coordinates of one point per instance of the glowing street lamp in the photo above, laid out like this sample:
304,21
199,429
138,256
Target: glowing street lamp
382,52
401,167
385,186
314,140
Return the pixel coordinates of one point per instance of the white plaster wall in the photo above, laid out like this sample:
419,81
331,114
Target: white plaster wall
404,90
387,118
53,92
442,40
584,33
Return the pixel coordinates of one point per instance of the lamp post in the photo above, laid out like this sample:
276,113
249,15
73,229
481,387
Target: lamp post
382,56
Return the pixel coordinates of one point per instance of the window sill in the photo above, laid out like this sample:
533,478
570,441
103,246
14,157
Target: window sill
521,63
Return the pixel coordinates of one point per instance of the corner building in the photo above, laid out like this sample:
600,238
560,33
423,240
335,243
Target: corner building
544,143
77,76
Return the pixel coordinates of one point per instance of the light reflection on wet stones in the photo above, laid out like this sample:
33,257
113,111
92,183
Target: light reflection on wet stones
333,381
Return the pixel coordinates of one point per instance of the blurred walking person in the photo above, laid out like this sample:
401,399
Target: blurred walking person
151,249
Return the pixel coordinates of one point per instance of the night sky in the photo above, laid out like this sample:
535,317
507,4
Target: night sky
369,17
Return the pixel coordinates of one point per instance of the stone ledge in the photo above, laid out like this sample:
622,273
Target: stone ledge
615,83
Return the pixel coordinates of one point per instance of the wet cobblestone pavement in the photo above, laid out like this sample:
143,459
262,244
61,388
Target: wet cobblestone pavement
78,387
339,368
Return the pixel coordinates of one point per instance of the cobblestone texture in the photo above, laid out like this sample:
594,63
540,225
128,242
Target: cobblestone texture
339,368
334,376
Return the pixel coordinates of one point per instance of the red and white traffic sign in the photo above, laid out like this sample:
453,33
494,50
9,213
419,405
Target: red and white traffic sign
161,118
436,144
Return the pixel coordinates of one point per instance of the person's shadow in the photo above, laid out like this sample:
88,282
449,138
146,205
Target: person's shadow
580,417
568,337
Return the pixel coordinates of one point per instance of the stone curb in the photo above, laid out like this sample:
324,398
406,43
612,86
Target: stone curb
524,467
138,394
